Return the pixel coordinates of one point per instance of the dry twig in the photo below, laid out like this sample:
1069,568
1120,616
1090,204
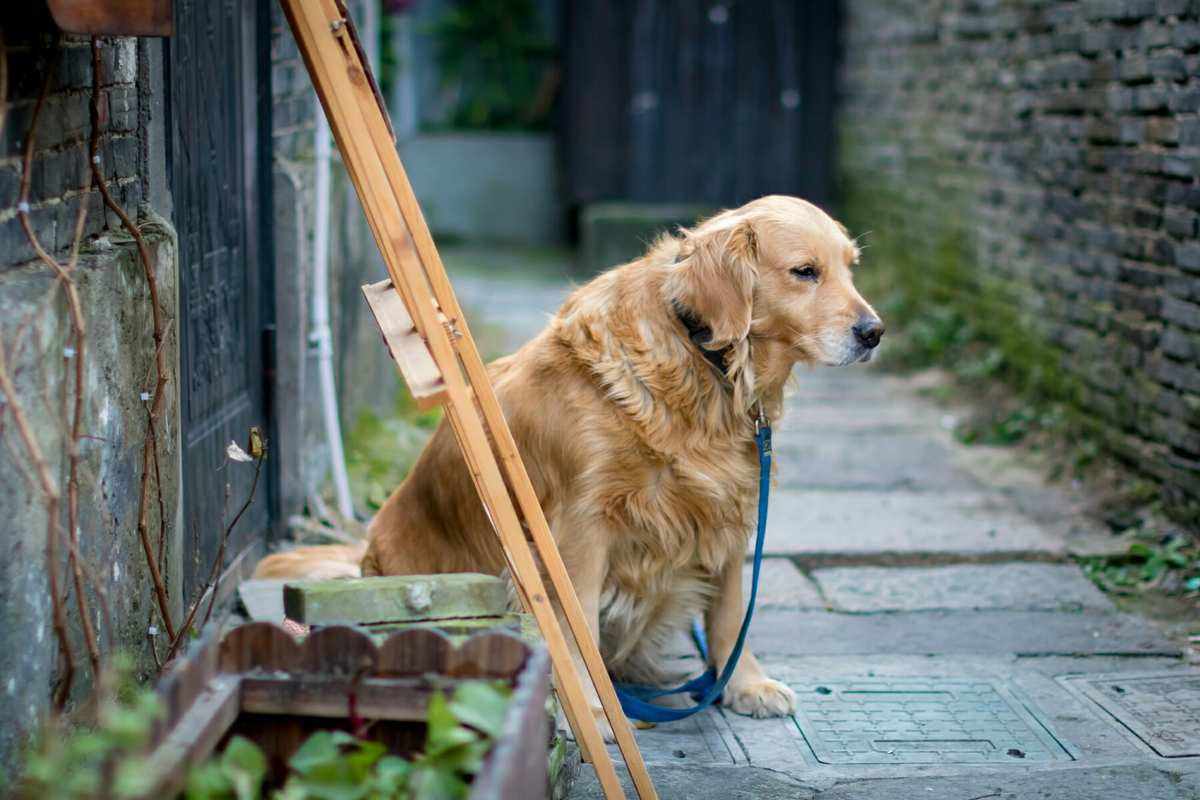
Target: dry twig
78,345
210,586
149,447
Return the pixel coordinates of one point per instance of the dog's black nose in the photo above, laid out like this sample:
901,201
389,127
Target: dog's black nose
868,331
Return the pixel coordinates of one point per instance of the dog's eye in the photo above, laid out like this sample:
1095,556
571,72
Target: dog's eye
806,273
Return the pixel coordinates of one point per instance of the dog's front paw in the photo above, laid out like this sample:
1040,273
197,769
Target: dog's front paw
760,699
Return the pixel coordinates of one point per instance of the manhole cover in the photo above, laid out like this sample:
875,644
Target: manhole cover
1161,709
920,722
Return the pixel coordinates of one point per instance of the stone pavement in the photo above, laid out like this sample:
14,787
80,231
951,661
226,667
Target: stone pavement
921,598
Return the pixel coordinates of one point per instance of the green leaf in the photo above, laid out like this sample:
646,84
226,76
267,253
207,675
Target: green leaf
443,732
436,784
246,767
1140,550
208,782
392,774
318,750
482,705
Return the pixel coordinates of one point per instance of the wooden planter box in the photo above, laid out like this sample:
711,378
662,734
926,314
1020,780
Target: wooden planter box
262,683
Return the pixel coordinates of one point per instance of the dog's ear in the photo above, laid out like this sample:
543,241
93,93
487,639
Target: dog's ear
714,279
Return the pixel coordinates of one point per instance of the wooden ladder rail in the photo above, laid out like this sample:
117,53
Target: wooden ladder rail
345,90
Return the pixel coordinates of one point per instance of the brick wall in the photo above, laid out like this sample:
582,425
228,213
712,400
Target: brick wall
35,332
1040,160
60,179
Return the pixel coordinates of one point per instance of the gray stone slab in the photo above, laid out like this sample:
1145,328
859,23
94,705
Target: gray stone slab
878,525
263,599
819,458
804,415
704,739
1124,782
782,585
800,633
1012,587
685,782
855,384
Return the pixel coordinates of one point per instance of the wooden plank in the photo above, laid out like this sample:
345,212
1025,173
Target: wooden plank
405,345
395,598
515,768
338,76
258,645
195,735
327,696
414,652
338,650
492,654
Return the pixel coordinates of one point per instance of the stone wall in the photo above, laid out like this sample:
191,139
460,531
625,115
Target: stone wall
1036,163
35,330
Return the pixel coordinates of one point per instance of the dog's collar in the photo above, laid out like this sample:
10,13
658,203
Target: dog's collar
701,334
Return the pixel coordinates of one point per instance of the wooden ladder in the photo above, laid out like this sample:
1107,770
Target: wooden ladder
427,335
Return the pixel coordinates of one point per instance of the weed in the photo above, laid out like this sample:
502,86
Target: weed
1169,563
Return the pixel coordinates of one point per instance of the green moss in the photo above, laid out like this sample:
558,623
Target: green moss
944,310
380,450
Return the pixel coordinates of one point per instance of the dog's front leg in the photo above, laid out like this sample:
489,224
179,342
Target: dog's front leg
586,561
749,691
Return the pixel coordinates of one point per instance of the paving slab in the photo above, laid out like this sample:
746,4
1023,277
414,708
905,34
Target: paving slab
1082,730
1011,587
702,783
856,415
827,458
1124,782
882,525
782,585
800,633
862,384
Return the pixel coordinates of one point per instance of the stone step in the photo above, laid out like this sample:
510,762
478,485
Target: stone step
902,524
401,598
1020,633
962,587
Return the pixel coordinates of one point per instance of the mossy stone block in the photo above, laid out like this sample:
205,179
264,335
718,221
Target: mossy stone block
399,598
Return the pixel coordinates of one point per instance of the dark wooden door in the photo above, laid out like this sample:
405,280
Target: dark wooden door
699,101
216,152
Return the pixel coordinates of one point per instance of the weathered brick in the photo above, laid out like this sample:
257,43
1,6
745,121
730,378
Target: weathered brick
1184,314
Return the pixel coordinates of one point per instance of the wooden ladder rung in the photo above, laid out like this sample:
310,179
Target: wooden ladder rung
405,345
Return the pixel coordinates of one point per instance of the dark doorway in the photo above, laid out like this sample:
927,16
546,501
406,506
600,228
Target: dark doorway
699,102
217,151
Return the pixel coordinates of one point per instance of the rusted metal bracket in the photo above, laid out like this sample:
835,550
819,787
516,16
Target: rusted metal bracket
114,17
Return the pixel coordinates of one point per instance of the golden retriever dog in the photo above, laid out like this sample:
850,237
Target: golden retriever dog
634,411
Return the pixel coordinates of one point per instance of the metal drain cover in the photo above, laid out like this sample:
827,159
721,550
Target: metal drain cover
921,722
1161,709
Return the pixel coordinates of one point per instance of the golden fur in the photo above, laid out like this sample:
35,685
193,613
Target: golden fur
641,452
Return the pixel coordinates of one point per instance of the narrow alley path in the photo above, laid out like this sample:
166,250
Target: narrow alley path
921,599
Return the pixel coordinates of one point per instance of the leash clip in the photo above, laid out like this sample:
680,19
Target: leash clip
760,420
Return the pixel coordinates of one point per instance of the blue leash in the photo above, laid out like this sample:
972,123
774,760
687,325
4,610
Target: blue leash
707,688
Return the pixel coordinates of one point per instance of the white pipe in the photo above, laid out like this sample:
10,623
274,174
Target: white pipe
321,336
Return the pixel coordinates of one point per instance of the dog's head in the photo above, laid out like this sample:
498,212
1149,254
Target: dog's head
779,268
